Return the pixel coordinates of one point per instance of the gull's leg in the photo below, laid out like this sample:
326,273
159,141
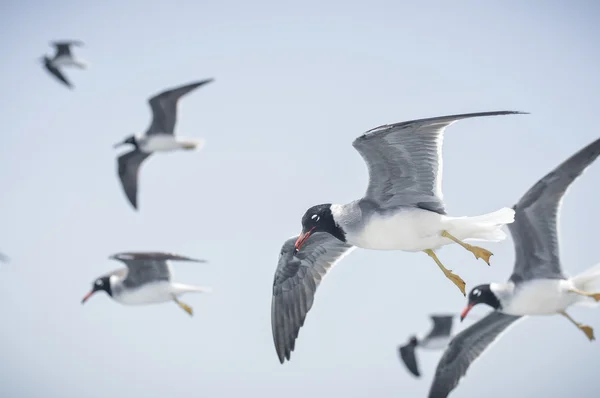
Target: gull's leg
184,306
589,332
479,252
457,280
595,296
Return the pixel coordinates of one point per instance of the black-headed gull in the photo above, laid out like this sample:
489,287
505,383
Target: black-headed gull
63,58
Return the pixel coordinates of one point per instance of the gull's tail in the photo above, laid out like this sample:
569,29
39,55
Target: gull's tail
180,288
588,281
487,227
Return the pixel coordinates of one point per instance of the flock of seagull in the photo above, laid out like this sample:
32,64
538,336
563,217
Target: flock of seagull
402,209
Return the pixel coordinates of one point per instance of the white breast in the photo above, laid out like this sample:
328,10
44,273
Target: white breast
408,229
148,294
540,297
436,343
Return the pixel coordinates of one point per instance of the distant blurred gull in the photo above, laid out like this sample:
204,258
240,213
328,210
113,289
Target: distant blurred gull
537,286
145,280
403,207
159,137
63,58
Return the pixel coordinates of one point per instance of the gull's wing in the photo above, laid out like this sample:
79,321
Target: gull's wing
405,161
296,280
535,230
144,267
407,354
164,108
63,48
464,349
128,167
58,74
442,326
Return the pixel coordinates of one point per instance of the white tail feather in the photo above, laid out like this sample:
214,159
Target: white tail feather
179,288
487,227
588,281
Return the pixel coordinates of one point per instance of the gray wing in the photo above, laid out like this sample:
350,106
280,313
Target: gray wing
128,168
58,74
145,267
164,108
464,349
535,230
405,161
442,326
63,48
407,354
296,280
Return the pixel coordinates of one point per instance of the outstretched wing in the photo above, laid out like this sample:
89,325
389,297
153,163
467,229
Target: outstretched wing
405,161
535,230
164,108
464,349
296,280
63,48
408,356
58,74
128,167
442,326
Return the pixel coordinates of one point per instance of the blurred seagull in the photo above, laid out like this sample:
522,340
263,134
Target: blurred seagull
145,280
63,58
537,286
403,207
159,137
437,339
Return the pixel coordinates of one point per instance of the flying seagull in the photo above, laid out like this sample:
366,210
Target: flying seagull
437,339
403,207
146,279
159,137
63,58
537,285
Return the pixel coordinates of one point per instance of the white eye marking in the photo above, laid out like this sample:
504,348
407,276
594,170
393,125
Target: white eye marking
315,217
476,293
99,283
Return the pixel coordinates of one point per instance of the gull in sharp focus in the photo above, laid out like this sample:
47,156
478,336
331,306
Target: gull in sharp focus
537,285
145,280
403,207
63,58
159,137
437,339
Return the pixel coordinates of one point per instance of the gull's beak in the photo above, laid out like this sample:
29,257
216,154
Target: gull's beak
87,296
118,144
303,238
466,311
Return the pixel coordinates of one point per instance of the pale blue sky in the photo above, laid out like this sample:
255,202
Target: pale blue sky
295,83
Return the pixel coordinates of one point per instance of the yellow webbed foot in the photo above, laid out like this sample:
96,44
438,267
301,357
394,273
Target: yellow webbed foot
589,332
457,280
481,253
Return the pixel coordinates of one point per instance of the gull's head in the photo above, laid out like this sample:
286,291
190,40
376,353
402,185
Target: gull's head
319,218
481,294
129,140
100,284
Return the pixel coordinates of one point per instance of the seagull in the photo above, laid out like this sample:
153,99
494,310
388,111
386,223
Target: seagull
403,207
159,137
537,285
145,280
62,58
297,277
437,339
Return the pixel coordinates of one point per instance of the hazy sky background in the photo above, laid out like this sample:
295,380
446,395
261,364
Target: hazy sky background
295,83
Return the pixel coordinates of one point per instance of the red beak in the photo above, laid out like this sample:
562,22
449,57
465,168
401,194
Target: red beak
87,296
302,238
466,311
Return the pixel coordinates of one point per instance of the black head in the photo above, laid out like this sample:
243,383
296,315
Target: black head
481,294
129,140
319,219
99,284
413,341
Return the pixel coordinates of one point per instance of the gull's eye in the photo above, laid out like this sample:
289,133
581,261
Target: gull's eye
476,293
99,282
315,217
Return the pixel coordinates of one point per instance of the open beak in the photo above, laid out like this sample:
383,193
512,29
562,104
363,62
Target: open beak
463,315
87,296
303,238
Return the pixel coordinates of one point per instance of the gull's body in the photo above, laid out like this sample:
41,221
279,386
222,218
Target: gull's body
403,207
145,280
63,58
159,137
537,286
